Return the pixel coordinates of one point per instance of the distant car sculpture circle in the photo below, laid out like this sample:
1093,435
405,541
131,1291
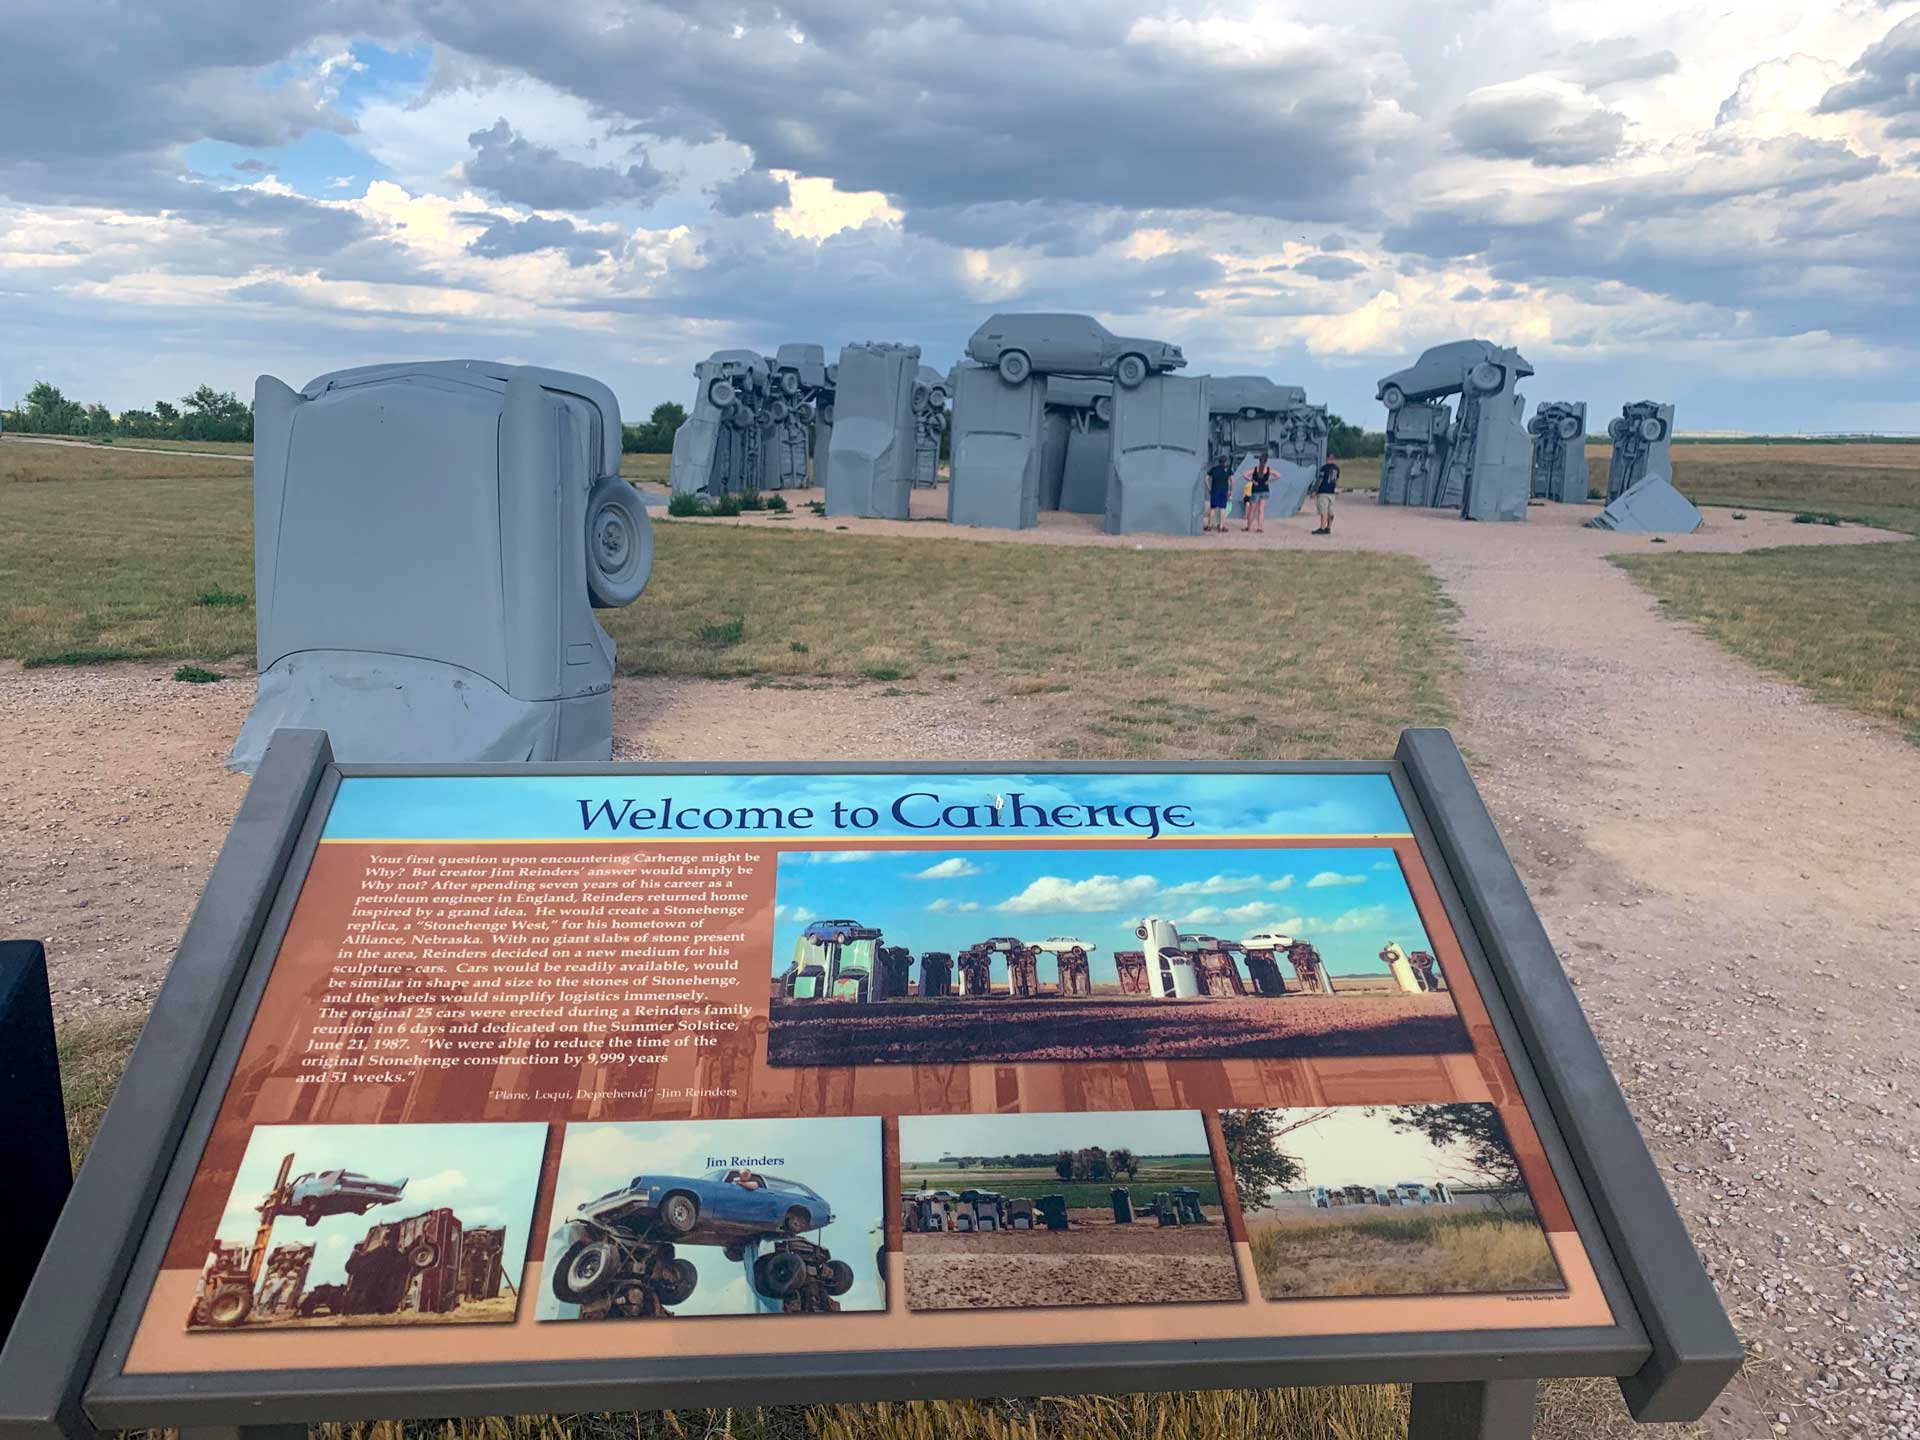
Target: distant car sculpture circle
619,544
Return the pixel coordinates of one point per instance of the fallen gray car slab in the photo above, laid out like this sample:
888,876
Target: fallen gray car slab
1652,507
430,543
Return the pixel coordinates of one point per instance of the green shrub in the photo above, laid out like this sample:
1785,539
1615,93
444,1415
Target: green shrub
195,675
727,632
215,595
688,505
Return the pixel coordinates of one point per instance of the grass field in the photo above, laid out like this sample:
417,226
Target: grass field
1842,621
807,609
1475,1253
1157,1172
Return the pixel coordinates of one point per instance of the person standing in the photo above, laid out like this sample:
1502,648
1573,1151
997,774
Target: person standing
1259,482
1219,483
1326,484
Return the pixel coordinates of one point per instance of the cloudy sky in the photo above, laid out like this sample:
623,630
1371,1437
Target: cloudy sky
1713,205
1358,1145
1349,903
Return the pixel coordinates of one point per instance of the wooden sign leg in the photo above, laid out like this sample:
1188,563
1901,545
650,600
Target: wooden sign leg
1472,1410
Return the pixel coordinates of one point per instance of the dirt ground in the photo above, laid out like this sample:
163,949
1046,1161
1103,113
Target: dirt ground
1723,862
955,1032
1096,1262
497,1311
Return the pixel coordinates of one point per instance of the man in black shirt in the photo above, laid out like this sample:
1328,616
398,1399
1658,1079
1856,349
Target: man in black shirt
1219,484
1326,483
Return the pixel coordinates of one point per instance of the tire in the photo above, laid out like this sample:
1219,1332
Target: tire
721,393
789,382
679,1212
1393,397
619,544
1132,370
779,411
833,373
1103,409
803,412
838,1278
1015,366
779,1274
1536,426
936,421
797,1221
229,1308
735,1251
311,1216
920,393
937,397
424,1255
1651,429
824,414
1569,428
1139,932
585,1272
1616,430
677,1284
763,417
1485,377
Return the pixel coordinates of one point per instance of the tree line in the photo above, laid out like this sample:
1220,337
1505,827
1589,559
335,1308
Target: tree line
206,414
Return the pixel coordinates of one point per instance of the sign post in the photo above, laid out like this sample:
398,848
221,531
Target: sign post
740,1085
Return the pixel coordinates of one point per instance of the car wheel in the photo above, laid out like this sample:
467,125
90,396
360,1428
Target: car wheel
838,1277
778,1275
1132,370
674,1282
1651,429
797,1221
824,414
936,421
424,1255
735,1251
1015,367
310,1214
679,1212
778,411
937,397
721,393
789,382
1617,430
585,1271
619,544
1569,428
920,393
1393,397
229,1308
1536,426
1103,409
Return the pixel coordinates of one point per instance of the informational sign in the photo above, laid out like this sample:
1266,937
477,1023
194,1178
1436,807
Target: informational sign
602,1066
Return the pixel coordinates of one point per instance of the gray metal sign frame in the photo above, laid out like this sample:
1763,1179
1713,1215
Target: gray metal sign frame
1672,1347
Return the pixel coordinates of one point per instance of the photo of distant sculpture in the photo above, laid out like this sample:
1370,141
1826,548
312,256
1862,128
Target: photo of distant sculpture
1386,1200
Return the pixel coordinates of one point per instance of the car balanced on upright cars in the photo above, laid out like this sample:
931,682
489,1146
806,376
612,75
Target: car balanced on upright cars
630,1234
1019,345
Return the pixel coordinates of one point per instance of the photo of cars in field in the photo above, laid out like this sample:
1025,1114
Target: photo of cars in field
1088,1208
1386,1200
331,1225
929,956
654,1220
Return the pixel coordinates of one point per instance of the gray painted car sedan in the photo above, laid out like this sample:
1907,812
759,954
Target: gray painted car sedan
1020,345
1450,369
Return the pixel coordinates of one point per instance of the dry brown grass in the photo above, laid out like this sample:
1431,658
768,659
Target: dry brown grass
1477,1253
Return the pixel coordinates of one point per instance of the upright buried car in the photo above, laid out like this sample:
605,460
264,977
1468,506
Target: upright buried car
1019,345
321,1193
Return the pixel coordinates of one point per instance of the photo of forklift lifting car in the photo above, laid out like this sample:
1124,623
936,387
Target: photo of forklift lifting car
447,1248
720,1217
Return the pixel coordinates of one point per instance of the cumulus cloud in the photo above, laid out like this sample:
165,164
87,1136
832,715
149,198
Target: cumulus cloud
1546,121
582,245
1885,80
1214,885
751,192
1330,267
1096,892
950,907
1230,915
955,868
1285,882
1328,878
540,177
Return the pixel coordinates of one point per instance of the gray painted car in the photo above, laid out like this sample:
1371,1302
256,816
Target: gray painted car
1020,345
1450,369
1250,395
